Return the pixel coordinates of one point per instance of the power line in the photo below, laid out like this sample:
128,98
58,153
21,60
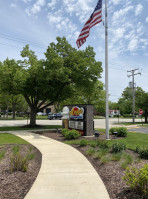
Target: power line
15,46
21,40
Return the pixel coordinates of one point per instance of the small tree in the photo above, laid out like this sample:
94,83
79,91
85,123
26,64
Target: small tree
10,84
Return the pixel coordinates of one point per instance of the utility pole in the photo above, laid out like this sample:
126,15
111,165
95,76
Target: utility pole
132,85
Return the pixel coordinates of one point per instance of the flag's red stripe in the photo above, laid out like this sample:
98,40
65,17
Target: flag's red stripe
92,21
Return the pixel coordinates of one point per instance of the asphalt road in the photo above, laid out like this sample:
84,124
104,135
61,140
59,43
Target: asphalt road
139,129
99,123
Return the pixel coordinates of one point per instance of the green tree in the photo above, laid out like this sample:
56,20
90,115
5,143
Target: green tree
113,106
13,103
141,101
9,84
143,104
55,79
95,97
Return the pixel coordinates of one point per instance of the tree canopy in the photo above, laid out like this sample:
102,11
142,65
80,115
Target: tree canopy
141,101
54,79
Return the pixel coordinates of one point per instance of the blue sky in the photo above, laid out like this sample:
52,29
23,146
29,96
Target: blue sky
39,22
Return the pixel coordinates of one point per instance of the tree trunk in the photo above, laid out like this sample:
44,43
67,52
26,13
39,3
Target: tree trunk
13,110
146,114
33,118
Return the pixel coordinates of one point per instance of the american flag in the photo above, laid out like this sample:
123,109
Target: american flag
95,18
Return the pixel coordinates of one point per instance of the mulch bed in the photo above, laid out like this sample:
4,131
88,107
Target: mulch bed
110,173
17,184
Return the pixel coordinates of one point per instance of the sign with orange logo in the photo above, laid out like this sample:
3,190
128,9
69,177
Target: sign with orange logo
77,113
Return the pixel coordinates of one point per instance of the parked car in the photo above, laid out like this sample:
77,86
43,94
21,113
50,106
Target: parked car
44,114
54,116
41,113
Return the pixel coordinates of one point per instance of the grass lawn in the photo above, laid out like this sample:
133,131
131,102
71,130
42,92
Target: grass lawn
6,138
16,128
132,140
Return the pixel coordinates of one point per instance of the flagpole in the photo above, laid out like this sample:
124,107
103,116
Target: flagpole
106,71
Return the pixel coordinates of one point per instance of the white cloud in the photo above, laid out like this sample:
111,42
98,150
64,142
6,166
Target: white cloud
13,5
146,20
115,2
120,14
133,44
52,4
36,7
81,8
61,23
119,33
138,9
139,29
26,1
54,19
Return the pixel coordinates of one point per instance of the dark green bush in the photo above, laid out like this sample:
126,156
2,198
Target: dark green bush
113,129
72,134
137,149
143,153
137,179
121,131
64,131
118,147
83,143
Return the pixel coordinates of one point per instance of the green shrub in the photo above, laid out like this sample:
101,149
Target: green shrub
64,131
83,143
103,144
113,129
137,149
19,162
72,134
121,131
118,147
143,153
137,179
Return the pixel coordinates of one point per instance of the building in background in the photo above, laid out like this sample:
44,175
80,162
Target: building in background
113,113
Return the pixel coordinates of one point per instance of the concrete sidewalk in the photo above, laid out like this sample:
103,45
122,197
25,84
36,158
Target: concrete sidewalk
65,173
